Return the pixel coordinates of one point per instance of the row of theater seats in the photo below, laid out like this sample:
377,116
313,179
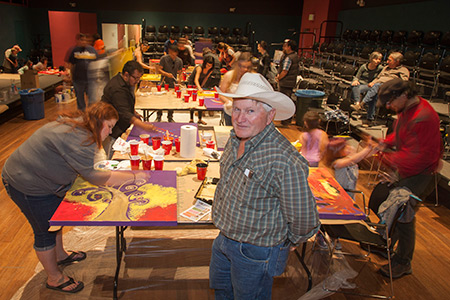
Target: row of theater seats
426,55
156,39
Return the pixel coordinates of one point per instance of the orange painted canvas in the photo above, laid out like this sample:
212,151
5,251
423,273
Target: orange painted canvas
332,201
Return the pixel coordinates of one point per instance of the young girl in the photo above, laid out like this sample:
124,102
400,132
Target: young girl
314,140
344,159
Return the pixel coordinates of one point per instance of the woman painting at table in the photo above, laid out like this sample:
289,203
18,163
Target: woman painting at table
199,78
230,81
138,54
226,55
39,173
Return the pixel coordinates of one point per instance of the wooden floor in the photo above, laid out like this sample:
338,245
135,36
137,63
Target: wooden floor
431,264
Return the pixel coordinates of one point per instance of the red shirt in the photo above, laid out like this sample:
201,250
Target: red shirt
417,141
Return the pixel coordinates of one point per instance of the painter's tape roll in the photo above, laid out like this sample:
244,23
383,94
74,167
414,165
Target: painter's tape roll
188,141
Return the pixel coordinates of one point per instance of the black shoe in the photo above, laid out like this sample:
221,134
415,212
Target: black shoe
170,120
158,119
375,250
398,270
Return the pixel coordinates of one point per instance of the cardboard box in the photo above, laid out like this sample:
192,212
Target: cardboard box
29,80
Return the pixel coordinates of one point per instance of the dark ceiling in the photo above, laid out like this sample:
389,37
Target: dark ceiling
265,7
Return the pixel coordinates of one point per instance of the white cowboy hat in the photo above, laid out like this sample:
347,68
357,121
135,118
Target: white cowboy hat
256,87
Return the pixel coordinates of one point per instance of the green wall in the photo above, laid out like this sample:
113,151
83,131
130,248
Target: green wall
272,29
22,26
424,16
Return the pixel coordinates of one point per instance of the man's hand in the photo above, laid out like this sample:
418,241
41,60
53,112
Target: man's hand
149,127
292,248
371,84
169,75
356,82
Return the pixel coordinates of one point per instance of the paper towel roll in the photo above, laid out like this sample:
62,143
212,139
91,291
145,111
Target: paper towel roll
188,141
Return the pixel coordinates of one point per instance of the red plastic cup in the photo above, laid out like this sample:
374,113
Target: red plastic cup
190,86
186,98
184,76
134,147
147,164
158,161
158,87
210,144
134,162
156,142
178,93
177,145
216,95
201,171
167,146
194,96
177,87
145,138
166,86
189,90
201,101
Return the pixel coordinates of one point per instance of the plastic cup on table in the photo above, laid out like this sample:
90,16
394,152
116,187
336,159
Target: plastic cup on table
156,142
216,95
194,96
134,162
158,87
201,171
167,146
177,87
190,90
147,163
158,161
201,101
166,86
145,138
134,147
178,93
186,98
177,145
210,144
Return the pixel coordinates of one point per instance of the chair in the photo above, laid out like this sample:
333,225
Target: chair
187,30
363,232
224,31
237,31
213,31
163,29
174,29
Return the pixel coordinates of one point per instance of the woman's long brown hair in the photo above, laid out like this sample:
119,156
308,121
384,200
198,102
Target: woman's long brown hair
91,120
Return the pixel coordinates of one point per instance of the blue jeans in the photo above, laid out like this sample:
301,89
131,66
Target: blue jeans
81,87
244,271
38,210
357,90
371,100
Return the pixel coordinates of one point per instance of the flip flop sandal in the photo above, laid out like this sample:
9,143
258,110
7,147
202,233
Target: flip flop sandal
71,258
60,287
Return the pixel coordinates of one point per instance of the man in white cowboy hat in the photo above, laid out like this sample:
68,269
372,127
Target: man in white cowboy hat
263,205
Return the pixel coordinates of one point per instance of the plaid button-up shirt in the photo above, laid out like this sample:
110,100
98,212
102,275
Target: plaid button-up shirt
263,198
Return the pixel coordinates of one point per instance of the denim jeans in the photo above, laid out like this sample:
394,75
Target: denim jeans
82,87
357,90
38,210
244,271
371,100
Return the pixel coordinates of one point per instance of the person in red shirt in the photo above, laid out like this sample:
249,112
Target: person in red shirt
414,150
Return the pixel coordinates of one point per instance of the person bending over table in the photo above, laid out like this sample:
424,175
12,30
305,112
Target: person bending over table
263,205
138,54
199,78
230,81
170,67
119,92
39,173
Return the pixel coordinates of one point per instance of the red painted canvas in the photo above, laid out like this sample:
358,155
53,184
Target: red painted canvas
151,200
332,201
